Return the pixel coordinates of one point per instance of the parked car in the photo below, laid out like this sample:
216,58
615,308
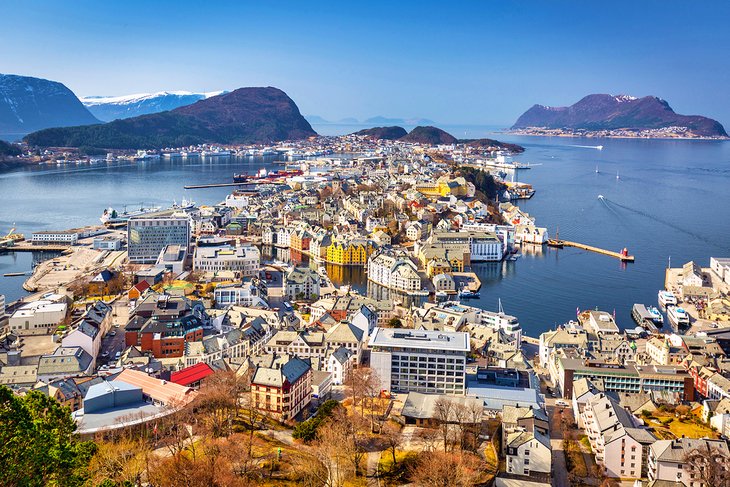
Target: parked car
561,403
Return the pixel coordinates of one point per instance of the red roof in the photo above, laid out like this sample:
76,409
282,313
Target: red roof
192,374
142,286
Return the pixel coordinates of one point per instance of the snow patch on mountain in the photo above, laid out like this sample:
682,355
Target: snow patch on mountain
140,97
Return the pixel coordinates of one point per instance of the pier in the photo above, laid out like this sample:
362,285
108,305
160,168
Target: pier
225,185
623,257
28,247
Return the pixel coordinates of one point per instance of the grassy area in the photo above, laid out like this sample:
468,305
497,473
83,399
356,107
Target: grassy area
673,427
395,474
574,458
586,442
490,456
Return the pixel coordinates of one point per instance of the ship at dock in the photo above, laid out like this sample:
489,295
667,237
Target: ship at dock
647,317
111,217
264,175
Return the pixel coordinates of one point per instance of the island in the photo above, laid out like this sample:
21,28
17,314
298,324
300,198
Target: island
617,116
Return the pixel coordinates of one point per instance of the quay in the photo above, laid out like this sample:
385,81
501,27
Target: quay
622,256
225,185
28,247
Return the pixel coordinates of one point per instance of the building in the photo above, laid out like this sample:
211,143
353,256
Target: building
721,268
173,258
620,444
423,409
301,283
63,363
244,260
563,337
528,453
668,459
37,317
148,235
623,378
483,246
281,385
420,361
64,237
252,293
107,243
349,252
394,271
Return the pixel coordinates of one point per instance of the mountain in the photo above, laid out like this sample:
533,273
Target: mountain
382,121
243,116
316,119
28,104
429,135
108,108
608,112
7,149
384,133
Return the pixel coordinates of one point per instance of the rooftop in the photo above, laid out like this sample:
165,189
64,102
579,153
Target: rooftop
422,339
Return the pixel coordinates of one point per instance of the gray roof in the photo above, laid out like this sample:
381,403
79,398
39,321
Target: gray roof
421,339
422,406
675,451
280,369
65,361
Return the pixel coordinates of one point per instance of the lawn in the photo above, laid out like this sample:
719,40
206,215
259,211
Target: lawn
395,474
689,428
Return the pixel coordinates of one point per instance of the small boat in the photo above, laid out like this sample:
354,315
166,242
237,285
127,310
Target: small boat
467,294
596,169
666,298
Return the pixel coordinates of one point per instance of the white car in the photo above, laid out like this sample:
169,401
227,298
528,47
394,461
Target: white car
561,403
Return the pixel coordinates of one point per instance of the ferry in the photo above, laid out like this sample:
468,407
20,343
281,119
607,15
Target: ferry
667,298
647,317
678,317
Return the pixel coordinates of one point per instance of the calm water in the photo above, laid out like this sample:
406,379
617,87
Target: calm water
672,199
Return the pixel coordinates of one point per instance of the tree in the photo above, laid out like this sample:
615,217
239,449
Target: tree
441,469
393,438
709,464
38,444
395,323
444,411
122,462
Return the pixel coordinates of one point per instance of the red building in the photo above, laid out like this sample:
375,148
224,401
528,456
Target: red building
192,376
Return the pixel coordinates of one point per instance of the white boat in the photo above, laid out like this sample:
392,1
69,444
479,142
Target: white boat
667,298
678,317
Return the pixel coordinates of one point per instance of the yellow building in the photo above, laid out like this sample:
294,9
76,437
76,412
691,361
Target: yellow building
444,186
352,252
457,255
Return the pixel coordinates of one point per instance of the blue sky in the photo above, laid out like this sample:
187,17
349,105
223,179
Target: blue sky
481,62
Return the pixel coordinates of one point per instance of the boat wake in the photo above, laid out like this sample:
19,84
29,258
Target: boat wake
657,219
597,147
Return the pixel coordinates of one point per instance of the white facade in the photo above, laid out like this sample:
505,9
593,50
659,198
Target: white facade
244,260
37,318
527,453
396,272
245,295
420,361
147,236
59,238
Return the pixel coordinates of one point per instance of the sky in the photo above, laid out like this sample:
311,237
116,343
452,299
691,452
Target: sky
482,62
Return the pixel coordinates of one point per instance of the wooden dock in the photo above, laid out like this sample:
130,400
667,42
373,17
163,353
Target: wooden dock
590,248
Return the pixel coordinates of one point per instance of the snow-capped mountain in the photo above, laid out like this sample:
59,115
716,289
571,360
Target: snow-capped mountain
28,104
108,108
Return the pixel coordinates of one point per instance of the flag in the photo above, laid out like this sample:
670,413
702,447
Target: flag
577,311
154,430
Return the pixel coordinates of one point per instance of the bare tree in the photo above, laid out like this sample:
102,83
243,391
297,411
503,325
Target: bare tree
444,412
440,469
393,438
709,464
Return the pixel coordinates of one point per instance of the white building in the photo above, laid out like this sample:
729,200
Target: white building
301,282
420,361
339,365
501,321
248,294
667,459
484,246
618,441
244,260
37,318
394,271
528,452
721,268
